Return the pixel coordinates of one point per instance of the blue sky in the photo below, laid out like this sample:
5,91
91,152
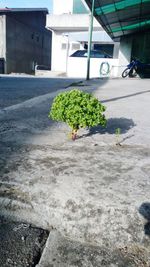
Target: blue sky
26,3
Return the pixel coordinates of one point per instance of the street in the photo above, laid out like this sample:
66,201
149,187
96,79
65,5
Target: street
14,90
25,104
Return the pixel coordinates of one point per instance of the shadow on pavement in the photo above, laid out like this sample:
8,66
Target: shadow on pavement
125,96
123,124
144,210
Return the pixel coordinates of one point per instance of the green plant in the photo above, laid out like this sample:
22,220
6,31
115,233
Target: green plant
118,133
78,109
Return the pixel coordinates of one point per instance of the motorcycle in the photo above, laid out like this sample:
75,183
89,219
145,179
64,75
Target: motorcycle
131,69
137,68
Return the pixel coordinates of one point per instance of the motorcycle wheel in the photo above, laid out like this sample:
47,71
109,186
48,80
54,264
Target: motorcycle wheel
126,72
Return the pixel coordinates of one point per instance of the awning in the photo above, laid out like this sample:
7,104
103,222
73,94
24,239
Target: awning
122,17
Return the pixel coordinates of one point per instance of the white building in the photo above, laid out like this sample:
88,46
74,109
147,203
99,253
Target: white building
69,24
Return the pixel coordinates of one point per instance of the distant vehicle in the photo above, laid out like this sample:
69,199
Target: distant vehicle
137,67
93,54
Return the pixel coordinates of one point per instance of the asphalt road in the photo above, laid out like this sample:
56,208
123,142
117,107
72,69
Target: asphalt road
14,90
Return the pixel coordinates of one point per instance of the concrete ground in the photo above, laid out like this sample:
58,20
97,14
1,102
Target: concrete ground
88,193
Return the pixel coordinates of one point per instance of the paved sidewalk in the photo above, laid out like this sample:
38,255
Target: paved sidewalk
89,190
64,252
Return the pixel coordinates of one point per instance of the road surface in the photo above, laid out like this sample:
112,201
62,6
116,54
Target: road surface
14,90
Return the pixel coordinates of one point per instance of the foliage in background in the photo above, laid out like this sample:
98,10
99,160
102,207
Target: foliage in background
78,109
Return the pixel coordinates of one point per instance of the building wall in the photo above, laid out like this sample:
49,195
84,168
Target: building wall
35,19
77,67
59,54
66,43
71,18
134,46
124,53
26,45
141,47
2,36
64,26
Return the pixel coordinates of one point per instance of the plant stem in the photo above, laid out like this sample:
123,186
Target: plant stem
74,134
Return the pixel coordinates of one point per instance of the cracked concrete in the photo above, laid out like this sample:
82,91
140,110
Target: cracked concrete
89,190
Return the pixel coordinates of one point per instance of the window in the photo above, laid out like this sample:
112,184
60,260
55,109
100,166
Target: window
106,48
63,46
75,46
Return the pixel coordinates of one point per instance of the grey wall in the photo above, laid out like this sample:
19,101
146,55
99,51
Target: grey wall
141,47
124,53
31,18
27,42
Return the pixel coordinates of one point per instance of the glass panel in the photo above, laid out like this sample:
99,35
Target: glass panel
78,7
132,26
118,6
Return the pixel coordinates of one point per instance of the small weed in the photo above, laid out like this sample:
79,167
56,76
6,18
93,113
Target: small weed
118,133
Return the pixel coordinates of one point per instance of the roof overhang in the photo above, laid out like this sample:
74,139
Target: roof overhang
18,10
70,23
122,17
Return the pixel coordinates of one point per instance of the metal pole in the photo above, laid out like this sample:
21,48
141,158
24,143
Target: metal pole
90,41
67,52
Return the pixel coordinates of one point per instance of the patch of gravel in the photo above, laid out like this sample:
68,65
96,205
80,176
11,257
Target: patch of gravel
21,244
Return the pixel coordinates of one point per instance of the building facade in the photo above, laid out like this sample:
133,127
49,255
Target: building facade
128,21
24,41
69,24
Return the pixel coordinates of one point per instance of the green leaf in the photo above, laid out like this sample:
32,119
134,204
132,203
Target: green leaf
78,109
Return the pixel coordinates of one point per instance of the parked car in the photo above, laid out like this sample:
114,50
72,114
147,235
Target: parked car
93,54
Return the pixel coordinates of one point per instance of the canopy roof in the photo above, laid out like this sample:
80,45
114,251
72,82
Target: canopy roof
122,17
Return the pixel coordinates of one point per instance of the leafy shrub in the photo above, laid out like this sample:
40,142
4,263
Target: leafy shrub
78,109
